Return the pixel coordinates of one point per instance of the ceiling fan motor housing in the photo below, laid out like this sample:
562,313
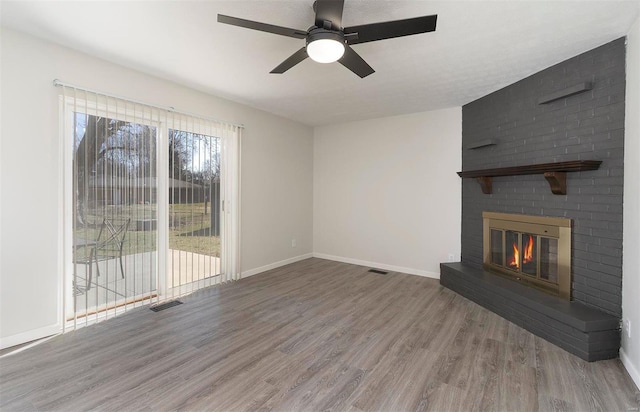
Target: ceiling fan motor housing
318,33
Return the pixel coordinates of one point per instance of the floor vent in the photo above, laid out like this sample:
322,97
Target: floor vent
164,306
378,271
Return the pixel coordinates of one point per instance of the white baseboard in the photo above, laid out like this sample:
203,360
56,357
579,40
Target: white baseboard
28,336
377,265
630,367
275,265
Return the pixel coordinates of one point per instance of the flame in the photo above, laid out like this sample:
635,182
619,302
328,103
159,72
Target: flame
528,251
515,260
526,258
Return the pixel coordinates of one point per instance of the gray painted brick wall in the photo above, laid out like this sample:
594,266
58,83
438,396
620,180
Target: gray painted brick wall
585,126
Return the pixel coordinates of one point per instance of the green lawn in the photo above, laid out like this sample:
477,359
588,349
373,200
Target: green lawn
188,228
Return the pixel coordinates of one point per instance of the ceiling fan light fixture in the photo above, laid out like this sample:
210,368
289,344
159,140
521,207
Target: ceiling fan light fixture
325,46
329,41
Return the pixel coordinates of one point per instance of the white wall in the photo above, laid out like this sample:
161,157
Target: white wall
277,174
386,192
630,352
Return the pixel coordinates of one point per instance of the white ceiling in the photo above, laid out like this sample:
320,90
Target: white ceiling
478,47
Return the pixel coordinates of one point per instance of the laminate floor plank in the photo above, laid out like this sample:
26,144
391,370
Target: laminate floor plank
485,385
518,389
446,398
313,335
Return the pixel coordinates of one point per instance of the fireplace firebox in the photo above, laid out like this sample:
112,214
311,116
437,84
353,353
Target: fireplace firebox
534,250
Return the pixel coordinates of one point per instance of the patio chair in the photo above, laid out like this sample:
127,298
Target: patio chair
108,245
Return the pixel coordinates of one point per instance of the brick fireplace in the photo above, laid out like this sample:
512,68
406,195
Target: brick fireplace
571,112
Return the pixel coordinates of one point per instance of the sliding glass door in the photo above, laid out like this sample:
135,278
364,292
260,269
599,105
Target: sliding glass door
114,240
194,205
151,209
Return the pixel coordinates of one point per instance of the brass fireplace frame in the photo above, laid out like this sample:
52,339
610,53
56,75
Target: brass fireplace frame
550,227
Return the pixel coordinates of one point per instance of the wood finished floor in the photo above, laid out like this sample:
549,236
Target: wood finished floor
314,335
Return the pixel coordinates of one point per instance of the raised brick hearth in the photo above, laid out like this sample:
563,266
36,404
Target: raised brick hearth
586,332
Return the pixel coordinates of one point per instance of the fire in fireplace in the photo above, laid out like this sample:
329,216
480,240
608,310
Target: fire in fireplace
534,250
527,256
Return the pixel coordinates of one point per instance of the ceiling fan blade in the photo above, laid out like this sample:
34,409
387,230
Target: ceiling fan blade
352,61
294,59
269,28
390,29
329,10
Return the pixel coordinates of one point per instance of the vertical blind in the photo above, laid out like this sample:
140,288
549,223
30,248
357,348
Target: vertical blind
152,202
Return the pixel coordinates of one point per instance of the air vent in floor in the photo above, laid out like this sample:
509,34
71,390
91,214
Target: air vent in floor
166,305
378,271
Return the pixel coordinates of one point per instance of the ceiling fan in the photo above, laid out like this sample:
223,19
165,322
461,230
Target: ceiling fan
327,41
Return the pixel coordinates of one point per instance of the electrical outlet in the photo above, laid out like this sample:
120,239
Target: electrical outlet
452,257
627,327
293,243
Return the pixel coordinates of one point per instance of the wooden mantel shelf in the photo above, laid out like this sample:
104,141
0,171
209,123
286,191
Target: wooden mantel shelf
555,173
